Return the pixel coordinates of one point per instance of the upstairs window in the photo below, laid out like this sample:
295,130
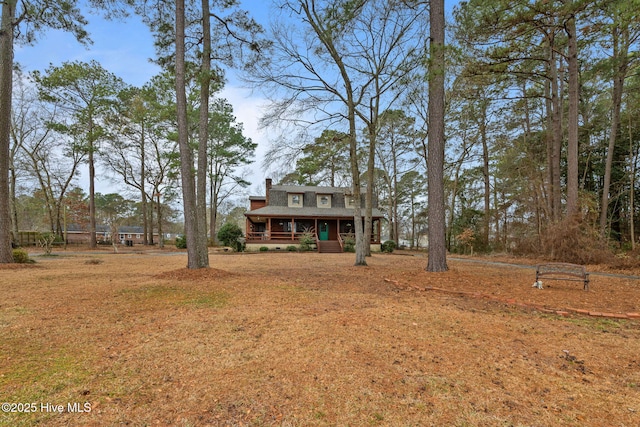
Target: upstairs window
349,201
295,200
324,200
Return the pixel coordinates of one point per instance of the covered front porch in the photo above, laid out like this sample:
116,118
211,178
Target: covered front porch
279,232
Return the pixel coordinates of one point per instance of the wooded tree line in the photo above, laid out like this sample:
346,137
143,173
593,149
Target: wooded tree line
79,113
541,137
130,130
540,107
548,92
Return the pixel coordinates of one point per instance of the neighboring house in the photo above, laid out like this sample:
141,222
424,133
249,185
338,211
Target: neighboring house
133,234
288,212
79,235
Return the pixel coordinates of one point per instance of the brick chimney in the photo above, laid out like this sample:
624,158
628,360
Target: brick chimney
268,186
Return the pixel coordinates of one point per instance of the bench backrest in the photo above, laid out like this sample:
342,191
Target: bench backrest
558,268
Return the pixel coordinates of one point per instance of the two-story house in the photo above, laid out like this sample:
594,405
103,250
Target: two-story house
287,212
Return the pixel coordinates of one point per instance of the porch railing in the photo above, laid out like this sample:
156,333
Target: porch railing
276,235
295,236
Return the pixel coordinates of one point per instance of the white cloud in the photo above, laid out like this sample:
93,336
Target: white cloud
248,108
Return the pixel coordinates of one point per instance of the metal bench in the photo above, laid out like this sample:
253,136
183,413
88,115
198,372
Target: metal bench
563,271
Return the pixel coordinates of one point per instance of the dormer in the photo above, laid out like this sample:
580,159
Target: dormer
323,201
295,200
349,201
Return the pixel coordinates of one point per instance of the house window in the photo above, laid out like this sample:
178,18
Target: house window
286,225
128,236
295,200
324,200
349,201
137,236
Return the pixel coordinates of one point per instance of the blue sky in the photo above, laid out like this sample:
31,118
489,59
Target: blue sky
125,47
122,47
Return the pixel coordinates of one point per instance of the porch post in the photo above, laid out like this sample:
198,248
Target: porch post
293,229
268,231
338,229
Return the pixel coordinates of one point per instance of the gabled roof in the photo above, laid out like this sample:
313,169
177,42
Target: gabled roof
131,229
311,189
104,228
278,203
287,212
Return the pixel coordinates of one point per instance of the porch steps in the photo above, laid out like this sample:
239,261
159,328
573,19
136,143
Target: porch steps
329,246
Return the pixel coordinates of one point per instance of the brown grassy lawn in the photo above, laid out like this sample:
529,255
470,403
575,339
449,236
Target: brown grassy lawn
308,339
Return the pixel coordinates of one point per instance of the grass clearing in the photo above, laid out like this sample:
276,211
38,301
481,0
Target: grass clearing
309,339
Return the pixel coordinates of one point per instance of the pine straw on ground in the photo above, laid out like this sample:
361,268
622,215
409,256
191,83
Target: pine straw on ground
308,339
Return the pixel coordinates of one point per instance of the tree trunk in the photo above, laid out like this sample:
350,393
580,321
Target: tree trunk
12,204
620,72
574,99
454,195
496,203
549,140
413,221
6,87
435,172
392,218
357,199
143,193
151,207
92,189
357,212
368,201
186,155
556,141
215,191
394,200
633,156
485,175
203,137
160,235
392,185
212,208
355,175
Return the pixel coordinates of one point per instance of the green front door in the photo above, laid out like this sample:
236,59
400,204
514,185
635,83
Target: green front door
324,231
